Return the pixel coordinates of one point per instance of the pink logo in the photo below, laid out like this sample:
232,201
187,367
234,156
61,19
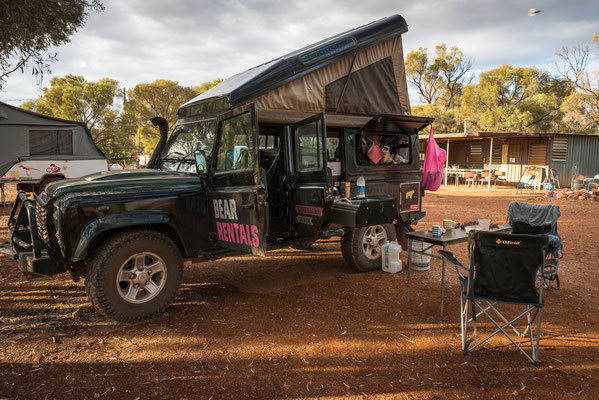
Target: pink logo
309,210
238,233
413,206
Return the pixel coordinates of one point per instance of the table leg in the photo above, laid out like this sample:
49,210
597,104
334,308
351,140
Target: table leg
442,280
409,266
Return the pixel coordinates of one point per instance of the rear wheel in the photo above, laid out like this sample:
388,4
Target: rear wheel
361,247
134,276
48,181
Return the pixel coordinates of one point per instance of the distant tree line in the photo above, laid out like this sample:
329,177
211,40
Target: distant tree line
118,119
507,98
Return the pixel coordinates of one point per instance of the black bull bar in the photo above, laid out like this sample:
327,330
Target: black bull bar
25,244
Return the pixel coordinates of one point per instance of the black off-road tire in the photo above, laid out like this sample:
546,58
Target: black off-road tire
353,253
102,270
48,181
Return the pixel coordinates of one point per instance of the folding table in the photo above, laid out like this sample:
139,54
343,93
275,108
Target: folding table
452,237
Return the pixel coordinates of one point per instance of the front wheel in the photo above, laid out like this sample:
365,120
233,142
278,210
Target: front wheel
361,247
134,276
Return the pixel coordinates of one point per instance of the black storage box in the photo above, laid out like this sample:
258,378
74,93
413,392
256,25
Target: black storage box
361,212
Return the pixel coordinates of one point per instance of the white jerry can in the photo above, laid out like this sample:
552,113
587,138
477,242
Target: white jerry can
390,257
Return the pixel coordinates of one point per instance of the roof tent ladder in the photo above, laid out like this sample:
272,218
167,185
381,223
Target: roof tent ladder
351,69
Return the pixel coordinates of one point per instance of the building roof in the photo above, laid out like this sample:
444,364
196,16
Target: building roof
488,135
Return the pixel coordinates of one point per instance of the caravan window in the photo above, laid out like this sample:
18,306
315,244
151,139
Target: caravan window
51,142
374,148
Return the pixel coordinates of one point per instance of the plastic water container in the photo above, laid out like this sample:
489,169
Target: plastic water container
578,184
390,257
361,186
420,262
484,224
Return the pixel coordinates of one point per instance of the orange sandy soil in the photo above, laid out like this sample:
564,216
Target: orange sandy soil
302,324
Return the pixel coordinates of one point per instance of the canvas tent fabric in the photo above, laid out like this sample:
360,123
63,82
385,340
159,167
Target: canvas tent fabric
359,72
26,135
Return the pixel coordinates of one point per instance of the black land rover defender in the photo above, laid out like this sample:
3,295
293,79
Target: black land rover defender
250,165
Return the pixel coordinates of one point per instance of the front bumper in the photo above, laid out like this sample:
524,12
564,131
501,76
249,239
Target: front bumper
25,244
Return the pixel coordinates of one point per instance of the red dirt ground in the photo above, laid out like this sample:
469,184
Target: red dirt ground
301,324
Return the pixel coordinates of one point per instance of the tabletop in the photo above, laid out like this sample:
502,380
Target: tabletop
452,237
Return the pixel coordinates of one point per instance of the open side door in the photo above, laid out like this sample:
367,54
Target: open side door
310,190
236,187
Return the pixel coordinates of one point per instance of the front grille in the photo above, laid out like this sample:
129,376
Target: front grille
41,219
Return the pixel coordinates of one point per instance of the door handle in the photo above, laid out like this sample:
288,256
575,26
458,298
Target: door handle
247,206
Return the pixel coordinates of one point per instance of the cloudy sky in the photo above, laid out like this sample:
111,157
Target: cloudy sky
193,41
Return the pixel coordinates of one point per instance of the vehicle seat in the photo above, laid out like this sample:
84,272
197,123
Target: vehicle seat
275,182
267,158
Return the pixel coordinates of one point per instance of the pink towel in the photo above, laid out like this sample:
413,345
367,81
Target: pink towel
375,153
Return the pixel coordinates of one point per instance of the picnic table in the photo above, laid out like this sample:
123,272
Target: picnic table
454,236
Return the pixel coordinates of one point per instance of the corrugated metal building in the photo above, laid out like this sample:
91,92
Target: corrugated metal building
568,154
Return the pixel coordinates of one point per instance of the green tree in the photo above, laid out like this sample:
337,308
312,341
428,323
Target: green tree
517,99
441,80
573,66
447,120
160,98
28,29
205,86
72,97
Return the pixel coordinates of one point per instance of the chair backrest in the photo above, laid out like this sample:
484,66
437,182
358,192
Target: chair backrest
469,174
533,219
505,266
531,179
485,174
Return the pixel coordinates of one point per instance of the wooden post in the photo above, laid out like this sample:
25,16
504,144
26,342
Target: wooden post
446,161
490,164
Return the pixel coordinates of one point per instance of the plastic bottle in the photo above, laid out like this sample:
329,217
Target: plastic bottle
361,187
390,257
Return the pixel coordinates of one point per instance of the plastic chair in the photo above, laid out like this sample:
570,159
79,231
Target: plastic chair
485,177
595,183
471,179
527,185
502,269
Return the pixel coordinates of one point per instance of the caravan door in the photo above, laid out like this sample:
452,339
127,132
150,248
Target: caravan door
310,191
236,193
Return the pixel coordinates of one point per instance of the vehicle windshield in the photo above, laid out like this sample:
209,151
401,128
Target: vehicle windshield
186,139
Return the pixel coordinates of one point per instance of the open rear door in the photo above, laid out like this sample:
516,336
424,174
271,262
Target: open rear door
236,193
310,191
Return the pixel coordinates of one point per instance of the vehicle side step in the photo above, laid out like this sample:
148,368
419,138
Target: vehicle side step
21,243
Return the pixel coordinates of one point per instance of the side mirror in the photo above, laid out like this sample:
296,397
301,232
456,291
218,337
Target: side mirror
201,162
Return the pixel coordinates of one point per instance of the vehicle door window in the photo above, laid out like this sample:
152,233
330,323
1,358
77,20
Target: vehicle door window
185,140
309,143
236,148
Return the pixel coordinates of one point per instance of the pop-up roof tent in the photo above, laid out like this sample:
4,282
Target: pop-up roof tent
351,77
26,135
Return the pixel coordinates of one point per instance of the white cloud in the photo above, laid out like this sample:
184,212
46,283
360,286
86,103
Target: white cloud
194,41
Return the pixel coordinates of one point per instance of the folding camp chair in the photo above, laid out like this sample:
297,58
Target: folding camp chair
527,185
539,219
502,269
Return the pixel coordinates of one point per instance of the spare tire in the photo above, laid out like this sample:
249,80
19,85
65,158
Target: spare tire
361,247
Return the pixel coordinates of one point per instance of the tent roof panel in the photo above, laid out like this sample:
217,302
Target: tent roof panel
268,76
